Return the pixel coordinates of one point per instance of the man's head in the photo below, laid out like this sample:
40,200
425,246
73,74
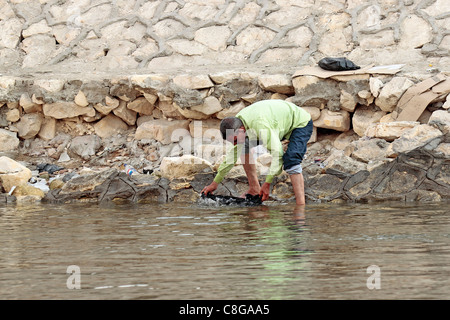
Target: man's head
233,130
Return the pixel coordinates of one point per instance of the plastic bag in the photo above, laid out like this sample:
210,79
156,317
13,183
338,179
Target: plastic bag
337,64
48,167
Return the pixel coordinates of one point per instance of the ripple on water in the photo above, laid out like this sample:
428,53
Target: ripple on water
176,251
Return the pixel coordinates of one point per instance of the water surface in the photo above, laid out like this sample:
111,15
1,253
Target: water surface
198,251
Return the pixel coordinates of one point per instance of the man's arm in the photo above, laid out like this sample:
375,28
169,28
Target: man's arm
228,163
224,168
273,144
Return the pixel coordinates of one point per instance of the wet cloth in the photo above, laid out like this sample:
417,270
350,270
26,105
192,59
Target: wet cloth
249,200
268,121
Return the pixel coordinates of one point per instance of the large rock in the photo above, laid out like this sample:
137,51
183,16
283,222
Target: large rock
186,166
389,131
63,110
440,119
127,115
348,101
163,130
313,111
214,37
344,139
29,125
338,161
85,146
87,182
39,49
26,193
48,128
81,100
109,126
28,105
415,32
8,141
375,86
280,83
167,108
369,150
391,93
414,138
190,113
336,120
110,105
193,81
210,106
364,117
10,32
110,185
13,173
13,115
312,91
142,106
50,85
231,111
37,28
323,187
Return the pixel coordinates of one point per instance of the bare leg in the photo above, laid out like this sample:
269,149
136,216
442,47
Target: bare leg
250,171
299,214
298,185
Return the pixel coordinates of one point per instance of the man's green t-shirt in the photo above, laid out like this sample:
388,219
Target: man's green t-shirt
269,121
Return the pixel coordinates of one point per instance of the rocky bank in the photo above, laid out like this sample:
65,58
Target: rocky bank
88,86
67,140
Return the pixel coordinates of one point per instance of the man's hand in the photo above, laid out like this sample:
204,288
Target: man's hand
210,188
265,190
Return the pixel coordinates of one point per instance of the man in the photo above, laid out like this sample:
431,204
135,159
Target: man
267,122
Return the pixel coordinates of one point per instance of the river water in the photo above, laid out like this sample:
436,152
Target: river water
202,251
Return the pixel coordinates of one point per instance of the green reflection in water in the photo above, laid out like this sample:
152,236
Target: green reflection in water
285,260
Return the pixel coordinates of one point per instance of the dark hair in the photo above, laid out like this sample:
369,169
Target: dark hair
229,123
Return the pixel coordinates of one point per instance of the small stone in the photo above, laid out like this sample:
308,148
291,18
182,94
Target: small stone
127,115
28,105
81,100
28,190
56,184
13,115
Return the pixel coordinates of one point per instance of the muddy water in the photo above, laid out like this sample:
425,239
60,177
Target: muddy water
198,251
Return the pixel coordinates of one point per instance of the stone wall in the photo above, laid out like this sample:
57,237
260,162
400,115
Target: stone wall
87,36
